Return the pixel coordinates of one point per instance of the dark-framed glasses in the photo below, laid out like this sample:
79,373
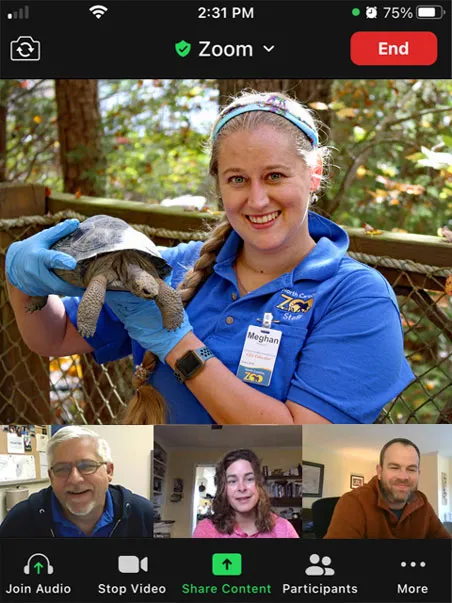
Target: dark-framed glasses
86,467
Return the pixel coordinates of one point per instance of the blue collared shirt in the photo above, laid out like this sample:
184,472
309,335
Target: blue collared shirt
65,528
341,353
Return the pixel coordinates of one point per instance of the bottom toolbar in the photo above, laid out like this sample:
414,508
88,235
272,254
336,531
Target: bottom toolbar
173,570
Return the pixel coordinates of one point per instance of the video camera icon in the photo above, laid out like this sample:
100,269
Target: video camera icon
131,564
25,48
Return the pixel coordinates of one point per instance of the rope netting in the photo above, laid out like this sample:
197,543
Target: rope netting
75,389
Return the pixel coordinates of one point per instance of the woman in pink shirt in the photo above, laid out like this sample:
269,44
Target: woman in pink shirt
241,507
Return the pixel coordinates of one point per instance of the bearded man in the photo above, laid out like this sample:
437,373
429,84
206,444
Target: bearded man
390,504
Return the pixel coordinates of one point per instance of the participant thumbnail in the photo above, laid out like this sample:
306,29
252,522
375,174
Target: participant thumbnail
377,481
227,481
75,481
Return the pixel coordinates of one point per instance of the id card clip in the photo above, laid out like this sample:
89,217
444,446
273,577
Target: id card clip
267,320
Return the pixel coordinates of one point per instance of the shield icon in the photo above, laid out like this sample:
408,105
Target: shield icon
183,48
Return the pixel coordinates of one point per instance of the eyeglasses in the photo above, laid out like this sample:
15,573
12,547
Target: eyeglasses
83,467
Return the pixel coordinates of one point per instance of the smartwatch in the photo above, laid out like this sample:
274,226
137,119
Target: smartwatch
191,363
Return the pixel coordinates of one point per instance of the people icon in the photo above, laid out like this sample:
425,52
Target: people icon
319,570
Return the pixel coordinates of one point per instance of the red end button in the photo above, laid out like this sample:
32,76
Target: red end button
393,48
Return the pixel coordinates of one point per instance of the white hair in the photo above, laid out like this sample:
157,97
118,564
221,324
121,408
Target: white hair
72,432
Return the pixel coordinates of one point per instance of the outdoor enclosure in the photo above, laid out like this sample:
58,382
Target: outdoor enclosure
75,389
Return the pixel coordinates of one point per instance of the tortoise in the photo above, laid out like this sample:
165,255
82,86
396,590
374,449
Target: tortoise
112,255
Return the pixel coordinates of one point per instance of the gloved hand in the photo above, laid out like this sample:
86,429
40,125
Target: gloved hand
143,322
29,262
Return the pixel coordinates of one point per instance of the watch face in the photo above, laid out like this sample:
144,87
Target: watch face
189,363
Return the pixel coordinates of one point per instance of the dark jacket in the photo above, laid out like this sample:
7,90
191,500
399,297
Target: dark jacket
364,513
32,518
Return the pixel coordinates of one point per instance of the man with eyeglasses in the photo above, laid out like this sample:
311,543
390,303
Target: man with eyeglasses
81,500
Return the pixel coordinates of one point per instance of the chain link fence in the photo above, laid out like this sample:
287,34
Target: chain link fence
74,389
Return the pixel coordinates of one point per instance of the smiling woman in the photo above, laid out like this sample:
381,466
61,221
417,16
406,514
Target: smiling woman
334,346
241,507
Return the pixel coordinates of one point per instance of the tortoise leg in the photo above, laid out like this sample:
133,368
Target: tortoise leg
170,305
36,302
91,304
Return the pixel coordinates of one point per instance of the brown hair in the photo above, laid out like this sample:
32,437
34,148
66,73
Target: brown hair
402,441
223,515
147,405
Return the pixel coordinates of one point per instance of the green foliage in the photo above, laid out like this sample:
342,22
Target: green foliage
32,137
154,131
396,134
391,138
153,137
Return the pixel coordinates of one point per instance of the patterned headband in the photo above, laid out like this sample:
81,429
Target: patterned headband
274,104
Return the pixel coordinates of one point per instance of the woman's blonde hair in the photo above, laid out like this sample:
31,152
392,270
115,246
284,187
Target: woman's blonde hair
148,405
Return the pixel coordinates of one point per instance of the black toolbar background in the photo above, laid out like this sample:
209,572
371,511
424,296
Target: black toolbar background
136,38
372,568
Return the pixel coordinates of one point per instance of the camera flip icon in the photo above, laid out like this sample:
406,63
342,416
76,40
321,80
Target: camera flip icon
25,49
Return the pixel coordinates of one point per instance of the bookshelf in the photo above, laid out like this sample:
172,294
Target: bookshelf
159,467
286,491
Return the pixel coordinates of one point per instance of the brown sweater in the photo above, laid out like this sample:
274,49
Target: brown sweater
363,513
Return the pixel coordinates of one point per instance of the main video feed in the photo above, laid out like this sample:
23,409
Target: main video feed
203,252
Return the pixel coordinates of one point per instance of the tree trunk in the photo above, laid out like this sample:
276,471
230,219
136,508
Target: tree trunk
306,91
4,93
80,133
83,166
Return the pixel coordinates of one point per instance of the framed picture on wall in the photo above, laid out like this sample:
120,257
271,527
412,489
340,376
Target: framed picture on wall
312,479
444,500
356,480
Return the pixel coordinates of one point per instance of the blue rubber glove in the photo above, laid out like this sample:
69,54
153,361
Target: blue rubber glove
143,322
29,262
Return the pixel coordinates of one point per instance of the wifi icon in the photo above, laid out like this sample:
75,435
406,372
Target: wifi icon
98,10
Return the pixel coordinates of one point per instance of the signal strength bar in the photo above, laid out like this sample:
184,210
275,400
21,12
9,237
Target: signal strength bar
22,13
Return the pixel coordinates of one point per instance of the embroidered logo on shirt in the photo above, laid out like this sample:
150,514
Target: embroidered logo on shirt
291,303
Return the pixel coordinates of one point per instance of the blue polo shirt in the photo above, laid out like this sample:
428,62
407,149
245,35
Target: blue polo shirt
64,527
341,352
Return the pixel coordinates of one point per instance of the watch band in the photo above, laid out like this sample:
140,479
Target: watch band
205,353
201,355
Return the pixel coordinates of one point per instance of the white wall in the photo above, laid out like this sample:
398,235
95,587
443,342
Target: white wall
428,479
338,468
182,463
131,447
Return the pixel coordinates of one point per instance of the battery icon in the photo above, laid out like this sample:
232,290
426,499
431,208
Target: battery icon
430,12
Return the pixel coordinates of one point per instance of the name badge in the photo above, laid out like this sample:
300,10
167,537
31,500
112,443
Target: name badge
259,355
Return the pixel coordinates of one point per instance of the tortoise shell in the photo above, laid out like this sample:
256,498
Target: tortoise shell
104,234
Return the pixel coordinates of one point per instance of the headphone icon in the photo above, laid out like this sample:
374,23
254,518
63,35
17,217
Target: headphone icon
27,566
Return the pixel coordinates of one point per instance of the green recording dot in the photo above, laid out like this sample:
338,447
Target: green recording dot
356,12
